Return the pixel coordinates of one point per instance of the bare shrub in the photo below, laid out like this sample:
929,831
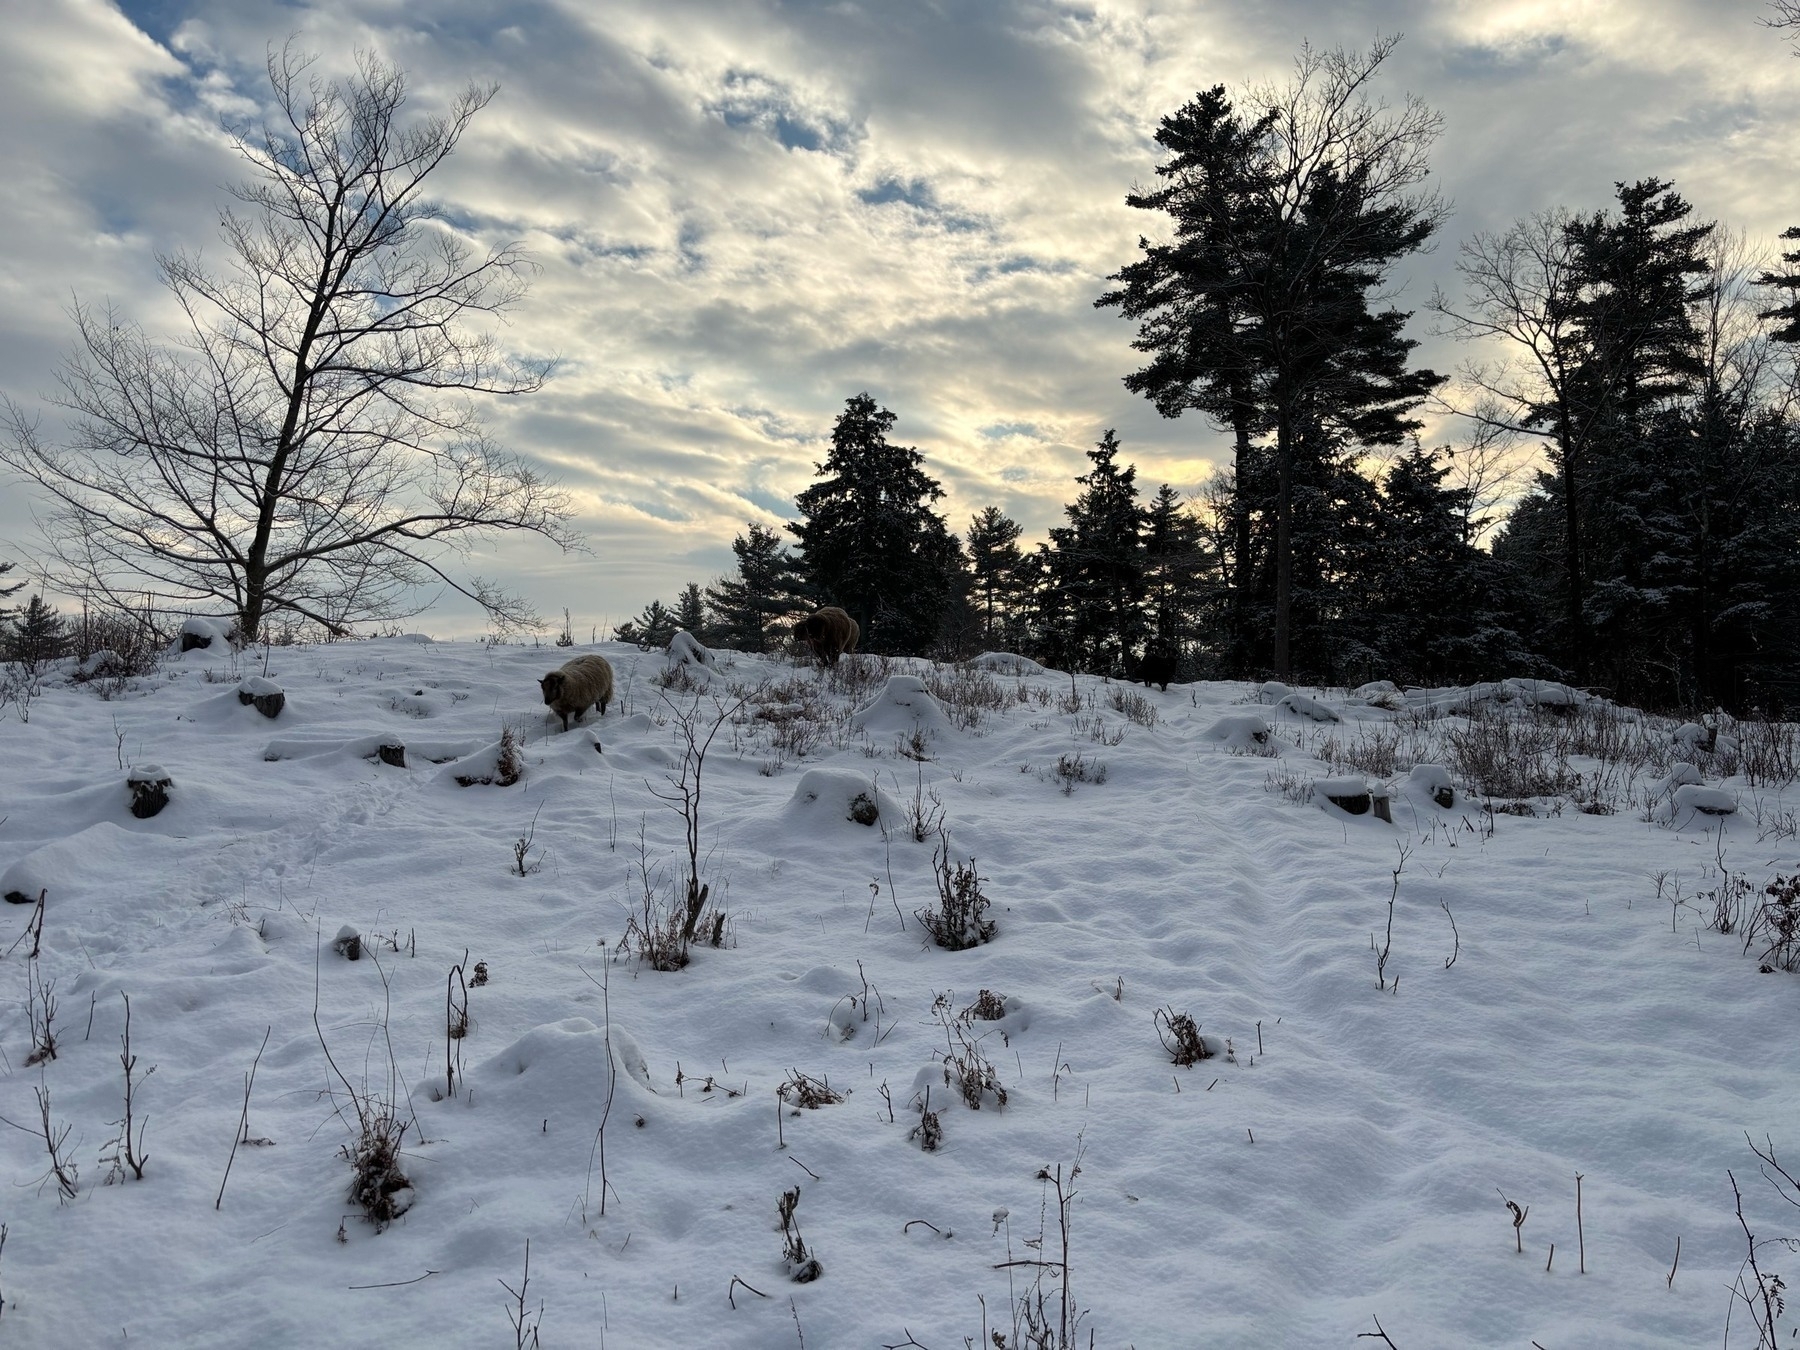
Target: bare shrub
1180,1037
1136,707
1776,925
1076,768
803,1265
1295,786
987,1007
967,694
924,811
1506,756
966,1069
804,1092
1374,750
1766,753
929,1132
959,921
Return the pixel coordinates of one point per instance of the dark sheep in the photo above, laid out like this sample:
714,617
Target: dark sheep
829,632
586,681
1158,666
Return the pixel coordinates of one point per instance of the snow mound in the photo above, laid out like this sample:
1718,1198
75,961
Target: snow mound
1272,691
1543,693
685,650
1302,706
1379,694
904,707
201,634
1694,737
1353,795
1681,774
828,798
564,1061
1431,781
88,865
1691,799
1005,663
1240,731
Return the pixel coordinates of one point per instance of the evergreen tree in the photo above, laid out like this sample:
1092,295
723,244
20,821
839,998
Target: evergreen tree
994,562
1176,576
7,590
651,629
1287,228
765,592
690,611
1097,562
870,541
1428,596
38,634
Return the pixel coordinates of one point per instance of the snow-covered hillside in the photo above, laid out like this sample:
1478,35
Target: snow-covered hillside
1555,1001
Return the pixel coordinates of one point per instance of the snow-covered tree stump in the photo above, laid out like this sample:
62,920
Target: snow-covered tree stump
149,787
264,695
392,752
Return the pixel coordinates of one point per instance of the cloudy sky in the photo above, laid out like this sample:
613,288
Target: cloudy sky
744,213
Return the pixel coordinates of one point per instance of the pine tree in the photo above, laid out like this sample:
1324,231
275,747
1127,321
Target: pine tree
1260,313
746,607
7,590
651,629
994,560
1176,575
870,541
1097,562
1428,607
690,611
38,634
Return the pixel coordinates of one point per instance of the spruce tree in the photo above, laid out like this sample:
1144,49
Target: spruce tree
690,611
765,592
1177,573
994,561
38,634
7,590
1261,312
870,541
1097,562
651,629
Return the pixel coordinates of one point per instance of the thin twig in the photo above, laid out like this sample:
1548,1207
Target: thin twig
244,1118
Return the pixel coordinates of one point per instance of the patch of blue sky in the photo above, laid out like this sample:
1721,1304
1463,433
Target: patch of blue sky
1000,431
156,18
1018,263
917,194
1488,61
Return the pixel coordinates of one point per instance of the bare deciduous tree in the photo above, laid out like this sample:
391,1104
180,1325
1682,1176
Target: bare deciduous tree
310,446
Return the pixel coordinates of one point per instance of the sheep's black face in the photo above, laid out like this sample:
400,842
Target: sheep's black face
552,685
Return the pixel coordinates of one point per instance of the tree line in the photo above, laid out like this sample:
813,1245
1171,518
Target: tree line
1643,353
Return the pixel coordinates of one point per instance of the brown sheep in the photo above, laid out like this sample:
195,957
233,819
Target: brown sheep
829,632
585,680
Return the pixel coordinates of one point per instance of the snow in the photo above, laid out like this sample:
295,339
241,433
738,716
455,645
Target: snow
1300,705
1336,1160
687,650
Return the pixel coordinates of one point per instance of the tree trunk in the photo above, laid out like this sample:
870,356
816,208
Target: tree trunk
1284,546
1575,597
1240,572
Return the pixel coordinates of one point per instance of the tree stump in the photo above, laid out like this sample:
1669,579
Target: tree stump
264,695
864,810
348,943
392,752
149,787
